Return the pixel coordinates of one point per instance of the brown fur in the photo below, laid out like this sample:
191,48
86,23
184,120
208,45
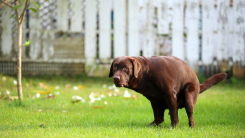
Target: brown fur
166,81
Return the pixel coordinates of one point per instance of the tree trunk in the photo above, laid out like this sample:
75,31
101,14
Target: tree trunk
19,62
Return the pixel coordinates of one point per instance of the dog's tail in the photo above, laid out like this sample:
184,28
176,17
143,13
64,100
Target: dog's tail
212,81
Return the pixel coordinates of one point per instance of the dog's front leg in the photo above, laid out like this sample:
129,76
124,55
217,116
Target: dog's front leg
158,110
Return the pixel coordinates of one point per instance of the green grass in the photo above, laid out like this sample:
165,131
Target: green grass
220,111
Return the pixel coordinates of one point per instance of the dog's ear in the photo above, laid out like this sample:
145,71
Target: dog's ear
137,67
111,70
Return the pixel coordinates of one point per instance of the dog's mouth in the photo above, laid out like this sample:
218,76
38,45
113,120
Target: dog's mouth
121,84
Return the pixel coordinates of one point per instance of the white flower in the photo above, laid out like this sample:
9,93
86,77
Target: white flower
8,92
74,97
75,88
113,86
105,102
83,100
104,86
116,90
50,95
102,96
37,95
15,82
110,87
92,100
4,78
39,110
79,98
126,94
109,94
57,93
57,87
91,95
115,94
64,111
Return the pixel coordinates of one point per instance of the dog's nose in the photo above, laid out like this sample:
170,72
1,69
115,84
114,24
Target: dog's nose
116,78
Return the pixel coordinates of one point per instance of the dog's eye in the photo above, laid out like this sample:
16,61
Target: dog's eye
125,68
115,67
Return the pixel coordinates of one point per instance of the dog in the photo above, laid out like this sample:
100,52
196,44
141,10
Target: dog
166,81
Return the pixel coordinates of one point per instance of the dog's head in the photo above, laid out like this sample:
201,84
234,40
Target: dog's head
124,69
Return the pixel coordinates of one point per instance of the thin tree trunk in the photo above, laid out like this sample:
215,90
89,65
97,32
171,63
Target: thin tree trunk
19,62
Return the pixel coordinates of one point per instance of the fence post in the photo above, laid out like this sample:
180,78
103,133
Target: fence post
62,15
90,36
47,44
105,31
207,32
177,29
239,38
192,15
162,16
76,16
35,46
7,40
223,35
133,28
149,44
119,28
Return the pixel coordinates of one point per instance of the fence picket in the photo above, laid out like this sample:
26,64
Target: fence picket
62,15
133,28
192,16
162,16
149,44
47,44
177,29
119,28
7,40
238,41
223,35
105,30
76,16
90,31
207,32
35,46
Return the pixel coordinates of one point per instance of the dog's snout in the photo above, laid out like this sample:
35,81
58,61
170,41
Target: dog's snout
116,78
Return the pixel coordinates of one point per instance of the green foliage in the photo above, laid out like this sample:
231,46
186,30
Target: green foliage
32,9
219,111
12,16
36,4
234,80
27,43
16,7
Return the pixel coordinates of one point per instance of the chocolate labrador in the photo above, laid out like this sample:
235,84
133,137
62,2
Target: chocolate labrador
166,81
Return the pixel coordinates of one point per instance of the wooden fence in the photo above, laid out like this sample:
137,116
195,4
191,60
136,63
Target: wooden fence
209,34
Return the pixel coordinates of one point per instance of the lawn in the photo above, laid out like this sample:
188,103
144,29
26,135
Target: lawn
57,112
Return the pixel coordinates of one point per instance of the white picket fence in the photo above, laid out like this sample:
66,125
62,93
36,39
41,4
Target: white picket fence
201,32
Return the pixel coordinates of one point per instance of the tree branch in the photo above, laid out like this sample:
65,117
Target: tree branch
6,3
24,10
16,12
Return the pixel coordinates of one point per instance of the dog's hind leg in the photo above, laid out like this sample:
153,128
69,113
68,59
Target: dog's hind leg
173,110
158,109
190,101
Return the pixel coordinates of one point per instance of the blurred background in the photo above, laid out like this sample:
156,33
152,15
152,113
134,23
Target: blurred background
70,37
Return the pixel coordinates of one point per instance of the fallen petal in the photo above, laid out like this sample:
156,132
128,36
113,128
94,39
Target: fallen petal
37,95
56,87
75,88
4,78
